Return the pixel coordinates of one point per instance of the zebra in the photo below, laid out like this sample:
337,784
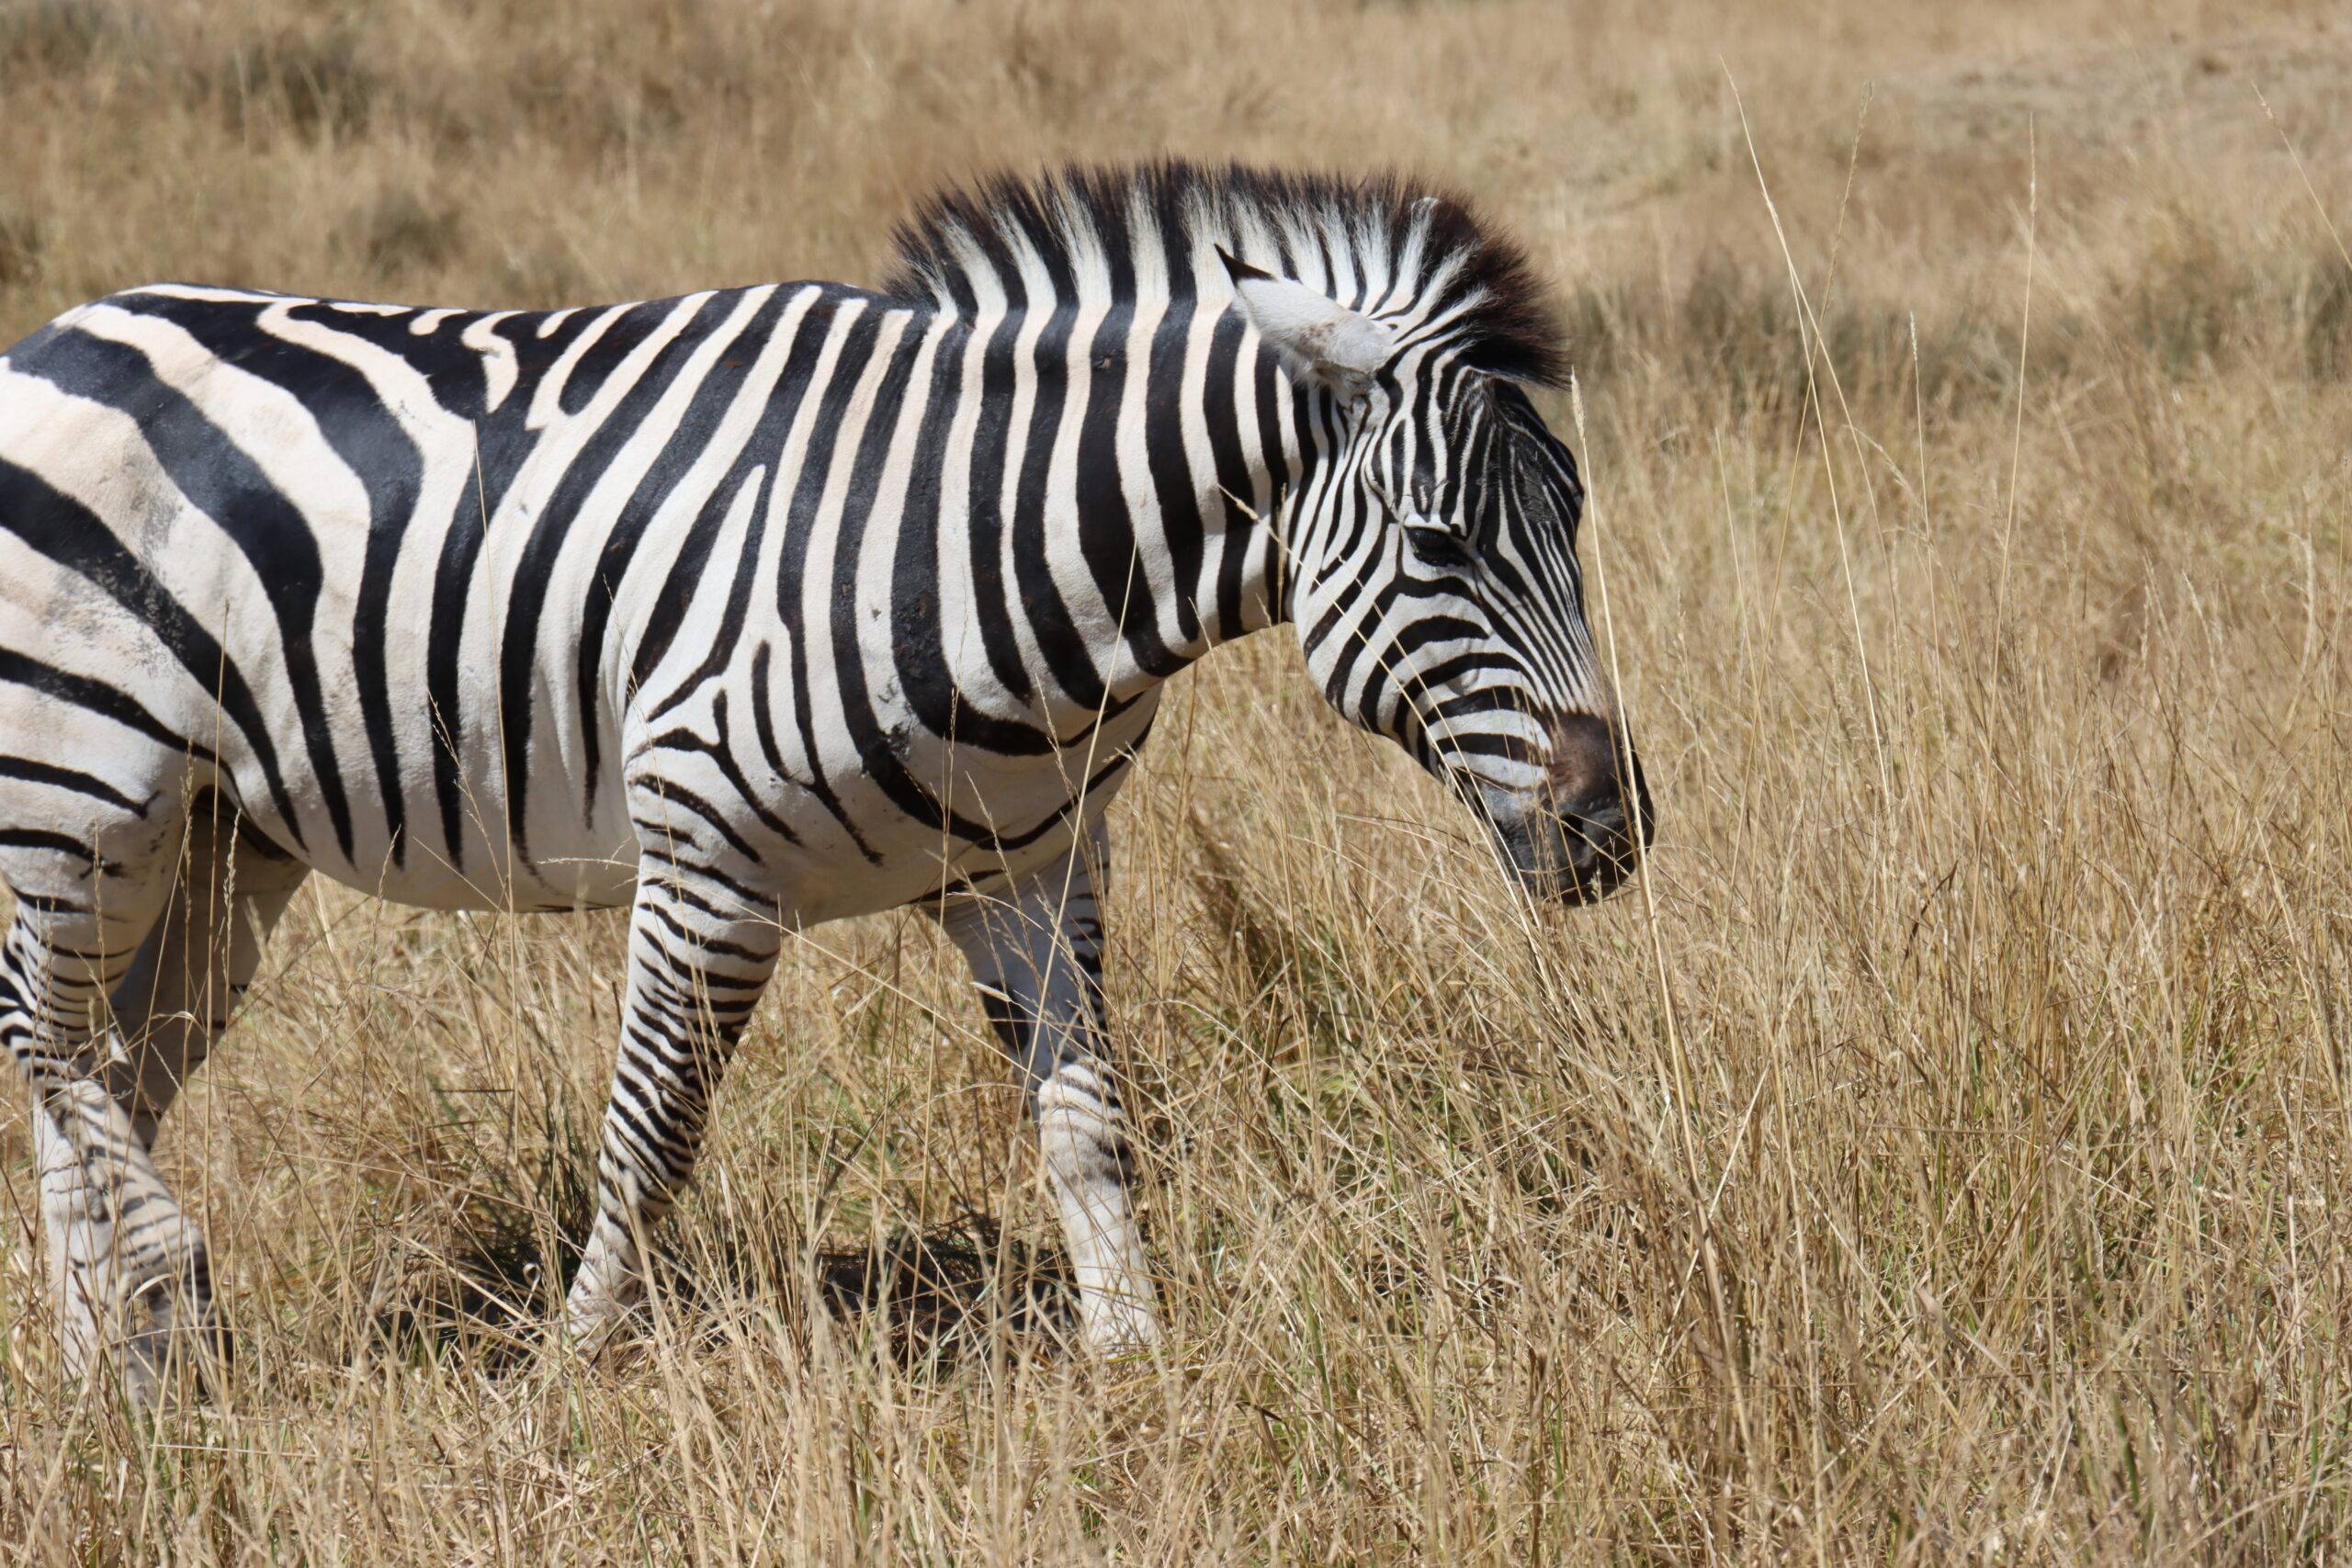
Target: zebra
748,610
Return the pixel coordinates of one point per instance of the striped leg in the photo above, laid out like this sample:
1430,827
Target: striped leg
1037,956
191,973
697,968
170,1010
118,1249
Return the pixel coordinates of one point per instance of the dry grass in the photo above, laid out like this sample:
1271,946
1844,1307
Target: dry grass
1951,1167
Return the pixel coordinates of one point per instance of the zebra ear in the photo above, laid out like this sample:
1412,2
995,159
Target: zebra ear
1317,338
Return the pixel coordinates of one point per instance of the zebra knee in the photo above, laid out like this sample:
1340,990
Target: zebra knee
1077,1117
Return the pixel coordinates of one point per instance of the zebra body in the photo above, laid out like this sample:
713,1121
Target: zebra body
752,609
682,608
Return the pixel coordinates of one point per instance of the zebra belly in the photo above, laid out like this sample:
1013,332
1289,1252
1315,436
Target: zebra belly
818,829
581,874
1028,811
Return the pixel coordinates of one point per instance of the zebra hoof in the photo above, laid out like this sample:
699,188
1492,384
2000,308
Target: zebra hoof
1119,1331
175,1355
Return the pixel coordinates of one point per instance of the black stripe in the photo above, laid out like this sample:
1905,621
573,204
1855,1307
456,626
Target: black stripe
1163,437
1106,532
671,794
230,487
686,575
750,897
70,779
875,749
918,630
1067,656
991,442
63,843
378,452
503,440
763,712
97,697
631,327
765,442
1222,414
527,588
1269,391
1106,535
808,488
722,756
63,529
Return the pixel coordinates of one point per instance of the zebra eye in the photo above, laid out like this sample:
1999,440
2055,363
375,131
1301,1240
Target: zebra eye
1438,546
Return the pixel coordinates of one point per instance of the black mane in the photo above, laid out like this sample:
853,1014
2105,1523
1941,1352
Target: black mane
1080,220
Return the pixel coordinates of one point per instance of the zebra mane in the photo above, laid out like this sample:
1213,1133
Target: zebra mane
1133,231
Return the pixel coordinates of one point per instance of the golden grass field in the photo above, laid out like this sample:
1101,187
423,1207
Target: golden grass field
1943,1154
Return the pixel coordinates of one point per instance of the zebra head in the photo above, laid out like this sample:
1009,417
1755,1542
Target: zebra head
1433,577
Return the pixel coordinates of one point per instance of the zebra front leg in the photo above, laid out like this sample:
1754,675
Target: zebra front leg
1036,954
695,970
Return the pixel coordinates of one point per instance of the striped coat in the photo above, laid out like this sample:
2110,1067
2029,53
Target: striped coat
749,609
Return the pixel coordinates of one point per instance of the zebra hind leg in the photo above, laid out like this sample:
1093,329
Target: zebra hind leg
170,1010
115,1237
191,973
697,968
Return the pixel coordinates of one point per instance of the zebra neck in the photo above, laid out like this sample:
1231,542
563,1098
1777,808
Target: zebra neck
1189,447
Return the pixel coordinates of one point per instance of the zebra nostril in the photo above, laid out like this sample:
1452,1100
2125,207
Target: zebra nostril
1581,777
1596,812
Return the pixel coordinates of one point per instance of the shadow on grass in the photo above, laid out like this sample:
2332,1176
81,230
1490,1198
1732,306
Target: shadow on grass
935,1297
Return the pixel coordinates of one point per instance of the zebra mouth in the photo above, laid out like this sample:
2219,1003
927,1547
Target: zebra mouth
1565,860
1573,858
1574,835
1601,858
